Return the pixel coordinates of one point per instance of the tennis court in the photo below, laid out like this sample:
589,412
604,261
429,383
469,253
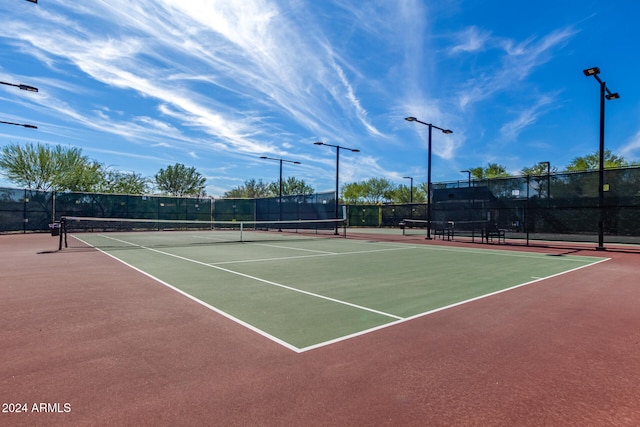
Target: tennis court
306,291
84,329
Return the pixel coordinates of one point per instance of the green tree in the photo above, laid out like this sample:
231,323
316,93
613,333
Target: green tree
290,187
373,190
539,169
251,189
538,173
592,162
123,183
352,192
42,167
179,180
402,194
378,189
492,170
81,177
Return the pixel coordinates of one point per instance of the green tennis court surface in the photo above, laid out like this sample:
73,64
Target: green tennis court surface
308,292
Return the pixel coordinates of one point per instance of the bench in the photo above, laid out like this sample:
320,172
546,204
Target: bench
445,231
410,224
489,234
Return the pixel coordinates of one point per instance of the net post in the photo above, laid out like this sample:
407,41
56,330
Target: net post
241,229
63,231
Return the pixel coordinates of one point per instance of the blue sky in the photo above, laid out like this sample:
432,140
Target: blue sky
140,85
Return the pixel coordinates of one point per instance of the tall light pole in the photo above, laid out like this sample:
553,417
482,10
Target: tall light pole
338,148
605,93
410,188
468,172
280,197
473,202
446,131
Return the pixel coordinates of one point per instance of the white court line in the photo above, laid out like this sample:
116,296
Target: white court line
244,261
297,249
258,279
398,320
204,304
426,313
503,252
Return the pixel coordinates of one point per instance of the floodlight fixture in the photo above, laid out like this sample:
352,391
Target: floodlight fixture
22,87
591,71
353,150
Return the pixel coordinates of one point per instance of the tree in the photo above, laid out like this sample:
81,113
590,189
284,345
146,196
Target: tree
251,189
539,169
41,167
290,187
179,180
373,190
538,173
402,194
80,177
352,192
493,170
592,161
123,183
378,189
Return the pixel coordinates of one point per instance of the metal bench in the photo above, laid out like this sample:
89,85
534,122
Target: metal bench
445,231
489,234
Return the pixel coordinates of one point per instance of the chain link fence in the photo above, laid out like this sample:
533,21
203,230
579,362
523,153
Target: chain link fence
31,211
561,206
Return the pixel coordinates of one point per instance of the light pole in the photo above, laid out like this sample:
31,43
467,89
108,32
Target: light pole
605,93
19,124
548,164
473,202
411,188
446,131
338,148
468,172
280,197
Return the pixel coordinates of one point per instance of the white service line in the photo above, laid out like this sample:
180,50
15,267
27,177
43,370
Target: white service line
258,279
196,300
308,256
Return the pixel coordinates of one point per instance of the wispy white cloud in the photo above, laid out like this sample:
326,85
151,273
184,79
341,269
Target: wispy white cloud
632,148
471,39
194,57
519,61
526,117
219,82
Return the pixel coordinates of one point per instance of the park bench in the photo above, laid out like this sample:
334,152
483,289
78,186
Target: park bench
491,233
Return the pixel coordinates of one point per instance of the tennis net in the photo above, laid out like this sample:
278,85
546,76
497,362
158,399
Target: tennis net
152,232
